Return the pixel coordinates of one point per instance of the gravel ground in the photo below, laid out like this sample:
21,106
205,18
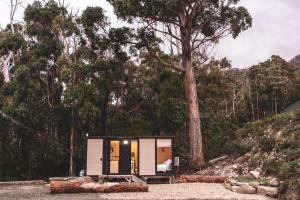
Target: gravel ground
191,191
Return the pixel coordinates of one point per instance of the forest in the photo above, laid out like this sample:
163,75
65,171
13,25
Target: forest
66,75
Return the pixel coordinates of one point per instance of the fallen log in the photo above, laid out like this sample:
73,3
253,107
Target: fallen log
87,185
214,161
201,179
75,187
127,187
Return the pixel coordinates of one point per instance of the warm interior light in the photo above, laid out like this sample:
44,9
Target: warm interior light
125,142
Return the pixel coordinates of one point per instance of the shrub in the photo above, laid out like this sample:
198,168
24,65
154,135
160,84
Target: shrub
283,170
288,170
271,167
266,144
292,154
297,114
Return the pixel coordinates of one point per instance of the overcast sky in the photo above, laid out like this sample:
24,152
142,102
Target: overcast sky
275,31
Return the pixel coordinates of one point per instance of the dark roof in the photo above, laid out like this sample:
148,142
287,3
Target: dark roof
128,137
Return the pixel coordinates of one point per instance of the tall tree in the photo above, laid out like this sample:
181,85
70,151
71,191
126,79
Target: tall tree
190,25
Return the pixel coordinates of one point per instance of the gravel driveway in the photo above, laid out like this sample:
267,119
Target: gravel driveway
167,191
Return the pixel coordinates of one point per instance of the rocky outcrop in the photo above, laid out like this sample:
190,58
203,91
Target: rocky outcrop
267,188
246,189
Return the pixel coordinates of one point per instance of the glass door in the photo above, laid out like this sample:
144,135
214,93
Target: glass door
114,157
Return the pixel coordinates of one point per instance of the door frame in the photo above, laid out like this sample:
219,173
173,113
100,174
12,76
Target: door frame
107,152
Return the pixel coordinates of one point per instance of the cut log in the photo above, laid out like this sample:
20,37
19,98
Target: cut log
87,185
201,179
77,185
127,187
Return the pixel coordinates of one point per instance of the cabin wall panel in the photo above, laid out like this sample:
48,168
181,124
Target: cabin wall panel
147,157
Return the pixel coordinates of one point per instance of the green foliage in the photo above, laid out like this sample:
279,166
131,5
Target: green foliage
283,170
274,83
236,19
10,42
248,179
266,143
292,154
220,138
271,167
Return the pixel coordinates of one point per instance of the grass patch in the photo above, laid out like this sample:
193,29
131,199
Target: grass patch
249,179
284,170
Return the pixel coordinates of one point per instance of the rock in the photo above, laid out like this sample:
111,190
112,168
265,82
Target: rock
255,174
293,197
274,182
227,186
268,191
234,188
254,184
246,189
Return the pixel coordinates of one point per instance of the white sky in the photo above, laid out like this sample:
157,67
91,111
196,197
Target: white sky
276,29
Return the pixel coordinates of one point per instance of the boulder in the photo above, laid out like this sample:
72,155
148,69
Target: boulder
255,173
254,184
227,186
234,188
267,191
246,189
274,182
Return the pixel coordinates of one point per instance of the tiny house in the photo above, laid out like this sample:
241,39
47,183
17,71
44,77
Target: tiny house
142,156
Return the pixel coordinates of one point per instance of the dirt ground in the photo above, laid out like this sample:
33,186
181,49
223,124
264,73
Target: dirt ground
201,191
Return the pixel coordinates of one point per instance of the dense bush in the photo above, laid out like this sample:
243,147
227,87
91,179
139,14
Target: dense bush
266,143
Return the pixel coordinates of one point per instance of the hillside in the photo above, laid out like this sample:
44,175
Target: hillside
269,148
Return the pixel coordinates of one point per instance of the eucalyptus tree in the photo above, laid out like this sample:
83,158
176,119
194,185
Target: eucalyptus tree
10,41
274,84
191,26
105,53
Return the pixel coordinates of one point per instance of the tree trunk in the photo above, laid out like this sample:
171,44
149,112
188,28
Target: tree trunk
197,157
72,147
194,124
5,61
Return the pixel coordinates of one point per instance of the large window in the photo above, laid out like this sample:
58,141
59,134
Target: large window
164,155
134,157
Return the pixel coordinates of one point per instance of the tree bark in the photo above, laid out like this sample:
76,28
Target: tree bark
72,147
194,124
86,184
197,158
5,61
201,179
